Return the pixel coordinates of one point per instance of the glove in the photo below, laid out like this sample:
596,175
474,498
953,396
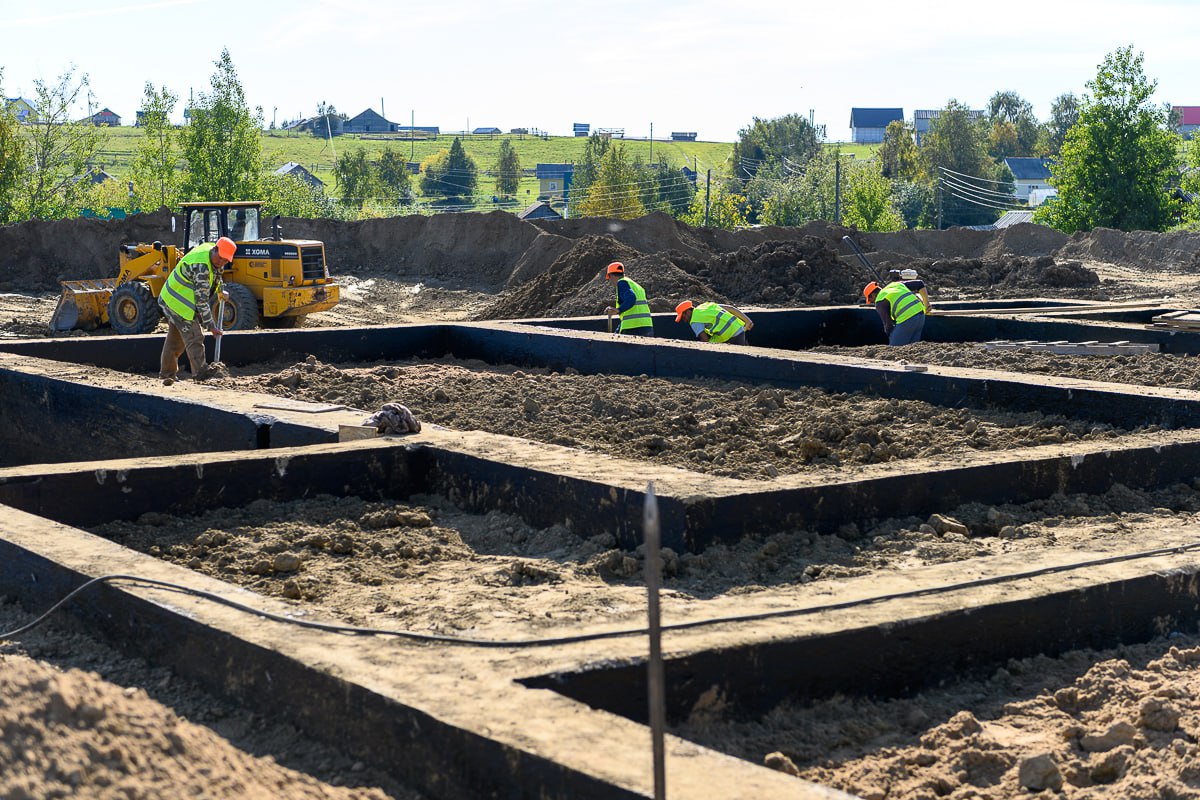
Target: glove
393,418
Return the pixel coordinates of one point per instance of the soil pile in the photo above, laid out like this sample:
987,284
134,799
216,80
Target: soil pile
1006,273
72,734
1170,252
800,272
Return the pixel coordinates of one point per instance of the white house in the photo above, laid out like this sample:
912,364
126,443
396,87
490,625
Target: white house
1031,179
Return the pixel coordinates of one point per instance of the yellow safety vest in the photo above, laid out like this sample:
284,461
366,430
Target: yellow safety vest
637,315
720,325
178,292
904,304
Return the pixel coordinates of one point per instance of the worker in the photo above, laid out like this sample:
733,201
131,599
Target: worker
631,303
905,275
715,323
184,301
902,306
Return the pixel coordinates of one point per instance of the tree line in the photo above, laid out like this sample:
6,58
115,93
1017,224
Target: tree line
1115,158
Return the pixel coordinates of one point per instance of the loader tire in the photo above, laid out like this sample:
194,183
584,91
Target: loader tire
133,309
241,309
284,322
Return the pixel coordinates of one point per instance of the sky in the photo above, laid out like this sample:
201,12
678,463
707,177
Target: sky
648,66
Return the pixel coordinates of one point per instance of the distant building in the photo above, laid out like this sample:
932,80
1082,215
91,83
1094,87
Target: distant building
924,118
1188,120
582,128
539,210
21,108
96,175
369,122
1030,175
554,180
427,130
486,131
867,125
107,118
297,171
683,136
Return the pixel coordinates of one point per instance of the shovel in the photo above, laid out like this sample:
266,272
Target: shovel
610,316
221,317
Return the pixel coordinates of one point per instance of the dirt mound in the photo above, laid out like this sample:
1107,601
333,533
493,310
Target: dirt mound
652,233
1176,252
574,284
475,251
36,255
792,273
1025,239
1016,272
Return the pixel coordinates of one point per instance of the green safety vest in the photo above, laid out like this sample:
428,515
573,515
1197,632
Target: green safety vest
904,304
720,325
178,292
637,315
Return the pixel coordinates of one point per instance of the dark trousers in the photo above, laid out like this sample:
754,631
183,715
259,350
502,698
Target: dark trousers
646,331
908,331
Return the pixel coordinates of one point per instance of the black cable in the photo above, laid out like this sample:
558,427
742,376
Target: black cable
589,637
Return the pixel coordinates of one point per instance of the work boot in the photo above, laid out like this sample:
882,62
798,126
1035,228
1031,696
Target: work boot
168,380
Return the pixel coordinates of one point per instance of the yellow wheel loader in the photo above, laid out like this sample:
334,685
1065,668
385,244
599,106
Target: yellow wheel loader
272,281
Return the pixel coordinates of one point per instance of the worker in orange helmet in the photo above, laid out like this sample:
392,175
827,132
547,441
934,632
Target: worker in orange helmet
902,306
631,303
185,302
713,322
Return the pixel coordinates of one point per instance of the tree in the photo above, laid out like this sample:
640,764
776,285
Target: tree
222,145
1010,109
588,167
898,153
12,160
357,182
508,170
955,152
726,209
289,196
60,152
789,140
1118,161
615,192
393,178
675,190
1064,112
868,203
450,173
155,171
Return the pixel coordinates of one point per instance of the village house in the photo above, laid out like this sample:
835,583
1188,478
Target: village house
867,125
107,118
293,170
1031,179
923,118
554,180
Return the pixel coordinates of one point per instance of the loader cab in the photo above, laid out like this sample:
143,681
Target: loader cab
207,222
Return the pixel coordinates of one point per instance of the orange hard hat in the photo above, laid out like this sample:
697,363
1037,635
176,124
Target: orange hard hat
868,289
686,305
226,247
615,268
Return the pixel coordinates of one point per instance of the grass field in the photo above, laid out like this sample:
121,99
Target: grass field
318,155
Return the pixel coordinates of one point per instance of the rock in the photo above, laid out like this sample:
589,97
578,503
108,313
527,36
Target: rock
1040,772
1112,767
1158,715
1118,733
286,562
781,763
942,525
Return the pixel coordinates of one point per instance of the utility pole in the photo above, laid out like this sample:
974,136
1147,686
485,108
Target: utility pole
707,185
837,190
940,202
651,142
412,144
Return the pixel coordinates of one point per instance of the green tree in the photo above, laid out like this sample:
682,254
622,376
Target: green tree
953,153
867,198
1119,160
450,173
393,178
1011,108
1191,183
675,191
789,140
1064,112
60,152
357,181
616,190
155,168
12,160
508,170
588,168
289,196
726,209
222,146
898,152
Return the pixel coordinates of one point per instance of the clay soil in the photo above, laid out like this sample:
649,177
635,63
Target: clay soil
1121,723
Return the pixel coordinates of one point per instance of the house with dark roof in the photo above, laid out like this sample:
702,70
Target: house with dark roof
1031,179
868,124
923,118
1188,120
107,117
486,131
554,180
21,108
539,210
369,122
293,170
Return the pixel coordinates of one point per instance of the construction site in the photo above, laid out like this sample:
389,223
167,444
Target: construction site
962,568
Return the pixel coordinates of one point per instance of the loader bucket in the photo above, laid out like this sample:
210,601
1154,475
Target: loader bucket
83,305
